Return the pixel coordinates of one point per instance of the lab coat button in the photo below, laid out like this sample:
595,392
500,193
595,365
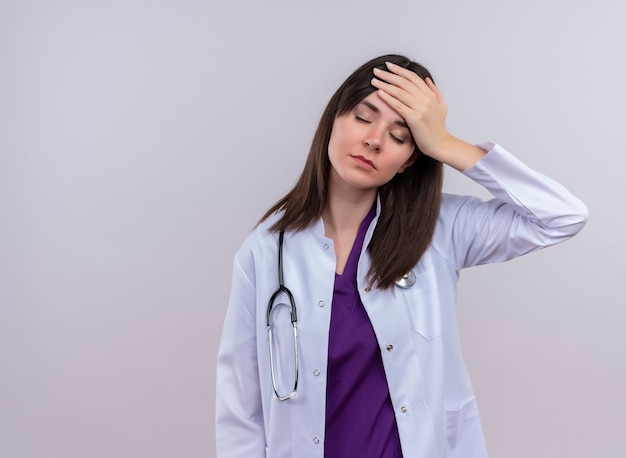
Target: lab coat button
316,373
316,440
403,409
321,303
389,347
326,247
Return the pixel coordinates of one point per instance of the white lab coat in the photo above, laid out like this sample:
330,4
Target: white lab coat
416,327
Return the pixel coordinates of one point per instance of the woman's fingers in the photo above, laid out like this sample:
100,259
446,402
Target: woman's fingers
402,77
402,84
391,100
404,100
409,102
405,85
393,90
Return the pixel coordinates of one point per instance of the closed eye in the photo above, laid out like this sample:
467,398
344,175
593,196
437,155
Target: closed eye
400,141
359,118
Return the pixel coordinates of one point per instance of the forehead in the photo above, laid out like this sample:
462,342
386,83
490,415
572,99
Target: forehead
373,102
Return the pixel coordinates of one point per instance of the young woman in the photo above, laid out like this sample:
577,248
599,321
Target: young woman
370,250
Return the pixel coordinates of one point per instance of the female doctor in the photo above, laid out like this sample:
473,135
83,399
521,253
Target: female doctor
357,354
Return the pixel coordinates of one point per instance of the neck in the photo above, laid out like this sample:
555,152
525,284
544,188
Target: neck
345,211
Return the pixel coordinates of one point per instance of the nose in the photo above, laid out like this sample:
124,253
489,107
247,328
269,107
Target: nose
373,140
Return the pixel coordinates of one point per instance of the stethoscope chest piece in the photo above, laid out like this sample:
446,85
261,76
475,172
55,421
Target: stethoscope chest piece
407,280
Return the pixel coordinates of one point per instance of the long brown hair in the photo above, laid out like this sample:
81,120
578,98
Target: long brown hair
410,201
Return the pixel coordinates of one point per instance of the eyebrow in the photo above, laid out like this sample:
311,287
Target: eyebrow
375,109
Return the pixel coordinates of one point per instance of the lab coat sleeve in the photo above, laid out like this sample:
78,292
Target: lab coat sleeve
239,416
529,211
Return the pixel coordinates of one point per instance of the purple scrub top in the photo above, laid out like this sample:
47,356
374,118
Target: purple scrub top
360,420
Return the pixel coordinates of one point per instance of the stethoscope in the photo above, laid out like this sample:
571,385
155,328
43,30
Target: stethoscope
294,323
406,281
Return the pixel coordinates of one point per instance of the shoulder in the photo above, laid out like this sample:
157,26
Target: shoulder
259,250
258,244
260,235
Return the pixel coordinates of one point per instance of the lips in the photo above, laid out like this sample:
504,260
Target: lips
365,161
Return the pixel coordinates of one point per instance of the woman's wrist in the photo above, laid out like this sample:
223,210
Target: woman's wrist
457,153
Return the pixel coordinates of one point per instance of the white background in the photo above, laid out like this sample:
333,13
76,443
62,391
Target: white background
141,140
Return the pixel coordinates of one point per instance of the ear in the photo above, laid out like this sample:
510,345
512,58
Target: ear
409,162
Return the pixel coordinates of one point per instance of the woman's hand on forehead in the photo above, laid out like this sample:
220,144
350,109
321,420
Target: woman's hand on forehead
419,102
424,109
